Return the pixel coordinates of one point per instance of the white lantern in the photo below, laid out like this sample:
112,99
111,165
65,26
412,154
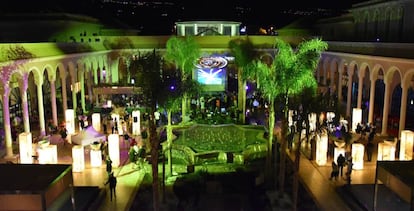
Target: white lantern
25,147
78,158
406,145
358,156
136,123
96,121
70,121
356,118
113,149
321,149
96,158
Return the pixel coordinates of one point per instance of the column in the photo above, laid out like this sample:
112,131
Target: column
82,85
360,86
371,102
6,120
89,84
386,108
340,87
23,92
349,97
403,108
40,107
74,100
64,95
53,102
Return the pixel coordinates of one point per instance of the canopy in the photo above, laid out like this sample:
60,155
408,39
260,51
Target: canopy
87,136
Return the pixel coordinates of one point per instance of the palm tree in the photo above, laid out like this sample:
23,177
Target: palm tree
290,73
244,55
171,102
183,52
149,65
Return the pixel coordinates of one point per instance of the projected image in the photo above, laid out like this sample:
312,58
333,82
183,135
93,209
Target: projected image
211,70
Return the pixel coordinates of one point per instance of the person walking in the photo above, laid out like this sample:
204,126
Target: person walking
108,165
112,184
335,171
340,161
350,165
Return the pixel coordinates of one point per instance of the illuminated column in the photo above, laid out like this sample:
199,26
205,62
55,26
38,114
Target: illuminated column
40,107
386,151
6,120
358,156
406,145
321,149
96,121
136,123
360,86
371,102
73,90
78,158
70,121
64,94
53,102
113,149
82,87
25,147
356,118
290,118
403,108
339,90
23,93
349,95
386,107
312,121
96,158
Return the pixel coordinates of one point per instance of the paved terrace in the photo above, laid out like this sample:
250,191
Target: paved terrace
328,194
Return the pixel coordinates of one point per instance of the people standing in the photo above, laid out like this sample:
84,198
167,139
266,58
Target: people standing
112,184
340,161
349,170
335,171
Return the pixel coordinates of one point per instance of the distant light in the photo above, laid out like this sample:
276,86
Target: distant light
172,87
247,87
132,81
378,39
243,29
411,102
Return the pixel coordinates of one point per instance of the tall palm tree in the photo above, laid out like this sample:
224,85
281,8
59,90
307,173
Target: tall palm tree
149,65
171,102
290,73
183,52
243,51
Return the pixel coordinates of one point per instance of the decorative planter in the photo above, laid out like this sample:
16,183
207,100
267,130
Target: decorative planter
96,146
43,144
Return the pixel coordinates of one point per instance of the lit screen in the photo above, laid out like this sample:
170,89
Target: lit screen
211,71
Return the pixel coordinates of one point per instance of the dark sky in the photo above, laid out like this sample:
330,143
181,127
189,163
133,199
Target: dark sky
260,13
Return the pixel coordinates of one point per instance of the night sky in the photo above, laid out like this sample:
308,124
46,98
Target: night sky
257,13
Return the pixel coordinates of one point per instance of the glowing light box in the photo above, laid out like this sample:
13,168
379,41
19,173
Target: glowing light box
78,158
113,149
386,151
358,156
96,121
136,123
70,121
322,149
406,145
25,147
356,118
